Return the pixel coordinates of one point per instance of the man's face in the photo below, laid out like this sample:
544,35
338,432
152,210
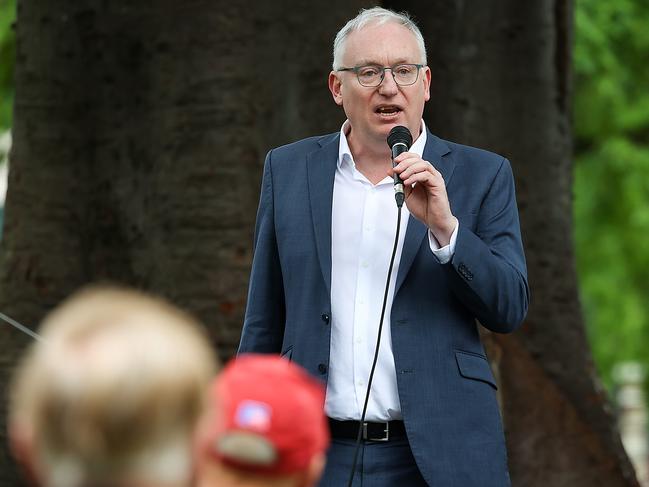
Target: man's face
372,112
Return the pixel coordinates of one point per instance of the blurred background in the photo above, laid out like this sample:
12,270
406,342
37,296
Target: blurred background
608,49
611,201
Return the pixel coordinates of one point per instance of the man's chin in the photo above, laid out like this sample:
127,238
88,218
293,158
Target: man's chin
378,133
384,129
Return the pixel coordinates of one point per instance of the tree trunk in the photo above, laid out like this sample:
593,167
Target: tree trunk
140,130
502,81
139,134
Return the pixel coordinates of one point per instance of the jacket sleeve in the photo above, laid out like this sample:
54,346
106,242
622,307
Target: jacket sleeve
488,272
263,327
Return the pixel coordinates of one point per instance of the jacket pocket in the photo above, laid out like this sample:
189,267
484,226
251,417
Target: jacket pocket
288,353
474,366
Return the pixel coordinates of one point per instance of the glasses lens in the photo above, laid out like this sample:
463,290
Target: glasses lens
405,74
369,75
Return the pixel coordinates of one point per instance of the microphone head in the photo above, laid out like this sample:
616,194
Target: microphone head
400,134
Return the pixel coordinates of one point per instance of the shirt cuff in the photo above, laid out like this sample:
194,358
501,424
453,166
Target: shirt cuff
444,254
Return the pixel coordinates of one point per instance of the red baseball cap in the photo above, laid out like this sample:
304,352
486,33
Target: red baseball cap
267,416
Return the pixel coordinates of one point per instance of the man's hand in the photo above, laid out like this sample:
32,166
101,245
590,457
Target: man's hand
427,200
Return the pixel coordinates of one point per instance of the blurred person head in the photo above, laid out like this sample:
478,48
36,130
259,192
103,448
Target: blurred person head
265,426
112,394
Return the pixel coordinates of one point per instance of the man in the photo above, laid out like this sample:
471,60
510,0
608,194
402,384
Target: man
323,241
112,394
264,426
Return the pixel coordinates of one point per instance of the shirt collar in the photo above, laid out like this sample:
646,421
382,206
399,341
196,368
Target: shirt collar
345,154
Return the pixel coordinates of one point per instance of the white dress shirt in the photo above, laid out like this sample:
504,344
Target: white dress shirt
363,226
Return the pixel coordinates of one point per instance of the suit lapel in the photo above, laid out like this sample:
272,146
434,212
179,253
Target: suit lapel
321,170
434,151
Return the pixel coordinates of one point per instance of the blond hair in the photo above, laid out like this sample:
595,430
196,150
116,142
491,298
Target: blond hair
114,390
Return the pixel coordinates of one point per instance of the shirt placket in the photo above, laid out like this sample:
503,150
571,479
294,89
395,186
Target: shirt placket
364,296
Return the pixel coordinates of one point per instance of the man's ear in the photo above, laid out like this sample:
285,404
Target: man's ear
427,78
336,88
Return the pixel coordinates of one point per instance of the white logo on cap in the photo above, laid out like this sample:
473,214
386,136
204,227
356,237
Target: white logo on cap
253,415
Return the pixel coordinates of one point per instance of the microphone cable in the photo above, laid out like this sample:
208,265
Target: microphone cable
20,327
359,436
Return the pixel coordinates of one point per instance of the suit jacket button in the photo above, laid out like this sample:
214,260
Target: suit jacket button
322,368
325,318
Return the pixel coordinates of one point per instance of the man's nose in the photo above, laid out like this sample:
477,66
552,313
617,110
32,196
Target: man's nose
388,85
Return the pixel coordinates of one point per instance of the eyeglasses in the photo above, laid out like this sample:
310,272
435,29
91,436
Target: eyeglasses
372,76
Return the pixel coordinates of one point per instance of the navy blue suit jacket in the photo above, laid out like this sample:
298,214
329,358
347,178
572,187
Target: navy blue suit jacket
446,388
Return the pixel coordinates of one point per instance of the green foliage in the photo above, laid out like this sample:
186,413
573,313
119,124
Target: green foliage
7,61
611,204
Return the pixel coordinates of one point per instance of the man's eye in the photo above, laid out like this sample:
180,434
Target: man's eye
368,72
405,70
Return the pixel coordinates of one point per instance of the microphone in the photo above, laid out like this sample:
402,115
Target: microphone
399,140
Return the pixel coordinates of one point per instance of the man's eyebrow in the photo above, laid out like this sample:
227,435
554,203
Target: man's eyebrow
368,62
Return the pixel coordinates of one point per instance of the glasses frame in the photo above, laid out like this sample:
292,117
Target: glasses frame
356,70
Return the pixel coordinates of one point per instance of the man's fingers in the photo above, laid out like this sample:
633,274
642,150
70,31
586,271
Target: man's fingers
413,160
419,166
405,155
423,177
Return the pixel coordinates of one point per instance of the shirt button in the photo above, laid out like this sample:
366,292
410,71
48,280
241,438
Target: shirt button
365,265
325,318
359,340
322,368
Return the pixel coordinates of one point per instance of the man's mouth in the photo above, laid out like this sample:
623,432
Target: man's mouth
388,110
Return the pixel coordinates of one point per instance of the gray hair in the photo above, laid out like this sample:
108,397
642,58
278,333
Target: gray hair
375,16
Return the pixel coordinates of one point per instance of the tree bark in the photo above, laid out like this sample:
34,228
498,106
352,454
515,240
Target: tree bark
140,129
502,81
